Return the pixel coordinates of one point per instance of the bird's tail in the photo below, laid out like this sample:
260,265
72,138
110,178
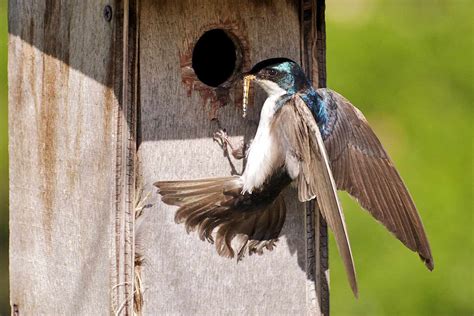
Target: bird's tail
216,205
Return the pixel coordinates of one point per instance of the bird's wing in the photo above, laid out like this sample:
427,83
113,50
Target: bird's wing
307,159
362,168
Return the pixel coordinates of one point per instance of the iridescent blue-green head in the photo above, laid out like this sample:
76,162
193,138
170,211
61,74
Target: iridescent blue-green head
279,76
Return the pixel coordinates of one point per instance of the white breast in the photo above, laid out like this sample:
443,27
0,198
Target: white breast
264,154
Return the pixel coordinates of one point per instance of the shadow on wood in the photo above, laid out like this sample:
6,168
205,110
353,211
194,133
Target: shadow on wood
100,108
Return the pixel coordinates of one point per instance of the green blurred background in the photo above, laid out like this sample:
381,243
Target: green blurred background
408,65
4,303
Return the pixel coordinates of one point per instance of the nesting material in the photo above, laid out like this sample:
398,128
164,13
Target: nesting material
245,100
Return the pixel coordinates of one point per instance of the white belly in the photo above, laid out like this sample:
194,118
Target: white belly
264,153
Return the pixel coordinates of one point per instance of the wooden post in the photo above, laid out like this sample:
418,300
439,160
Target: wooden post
313,46
103,101
71,142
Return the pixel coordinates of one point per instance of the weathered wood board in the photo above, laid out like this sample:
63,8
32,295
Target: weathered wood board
100,107
181,274
62,125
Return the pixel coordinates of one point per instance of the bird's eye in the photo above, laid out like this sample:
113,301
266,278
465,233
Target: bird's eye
272,72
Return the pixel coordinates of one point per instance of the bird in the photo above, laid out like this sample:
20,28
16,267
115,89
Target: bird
316,139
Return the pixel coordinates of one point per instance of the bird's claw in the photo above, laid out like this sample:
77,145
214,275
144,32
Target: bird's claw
221,138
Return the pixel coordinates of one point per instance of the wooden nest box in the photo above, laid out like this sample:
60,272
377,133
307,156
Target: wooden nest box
107,97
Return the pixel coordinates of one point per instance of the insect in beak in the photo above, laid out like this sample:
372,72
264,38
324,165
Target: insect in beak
245,100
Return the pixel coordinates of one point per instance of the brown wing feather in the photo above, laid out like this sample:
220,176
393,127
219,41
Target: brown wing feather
300,135
362,168
217,206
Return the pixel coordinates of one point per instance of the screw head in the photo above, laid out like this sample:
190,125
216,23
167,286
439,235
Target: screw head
107,13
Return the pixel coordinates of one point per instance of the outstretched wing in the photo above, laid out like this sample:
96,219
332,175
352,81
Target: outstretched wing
362,167
307,161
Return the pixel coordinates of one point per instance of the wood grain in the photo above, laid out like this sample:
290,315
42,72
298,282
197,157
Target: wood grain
181,274
83,92
62,119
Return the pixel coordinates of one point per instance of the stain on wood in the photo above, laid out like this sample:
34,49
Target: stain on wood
230,92
182,274
98,110
62,110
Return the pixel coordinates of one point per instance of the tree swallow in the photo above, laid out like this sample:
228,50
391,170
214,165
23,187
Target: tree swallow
316,139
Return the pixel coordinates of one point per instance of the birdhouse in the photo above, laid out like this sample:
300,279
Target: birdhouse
107,97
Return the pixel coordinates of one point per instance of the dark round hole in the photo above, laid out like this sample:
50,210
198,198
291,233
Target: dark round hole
214,57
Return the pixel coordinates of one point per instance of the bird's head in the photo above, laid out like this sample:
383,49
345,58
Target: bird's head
278,76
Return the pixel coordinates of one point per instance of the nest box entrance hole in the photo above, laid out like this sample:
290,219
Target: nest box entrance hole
216,57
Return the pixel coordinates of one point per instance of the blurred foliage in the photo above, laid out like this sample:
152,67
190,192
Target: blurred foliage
4,288
408,65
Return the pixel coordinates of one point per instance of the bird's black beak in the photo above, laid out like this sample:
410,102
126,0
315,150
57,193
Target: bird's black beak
242,75
237,78
245,74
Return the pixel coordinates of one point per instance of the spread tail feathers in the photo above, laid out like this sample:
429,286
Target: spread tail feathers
216,204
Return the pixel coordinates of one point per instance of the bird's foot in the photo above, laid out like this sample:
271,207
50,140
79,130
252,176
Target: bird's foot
237,151
221,138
